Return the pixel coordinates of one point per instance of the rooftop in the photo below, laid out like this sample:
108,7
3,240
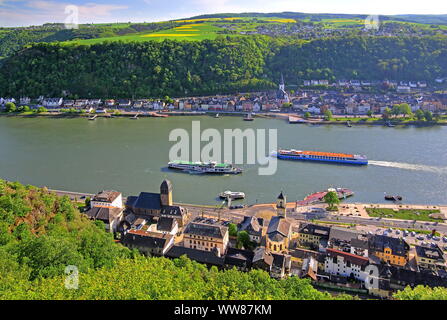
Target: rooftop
206,229
106,196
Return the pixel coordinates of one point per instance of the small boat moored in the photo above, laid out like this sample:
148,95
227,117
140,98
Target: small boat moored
232,195
248,117
393,198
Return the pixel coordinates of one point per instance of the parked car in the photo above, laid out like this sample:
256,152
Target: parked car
420,237
413,234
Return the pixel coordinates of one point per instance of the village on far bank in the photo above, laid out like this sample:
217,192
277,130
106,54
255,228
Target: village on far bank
312,97
286,239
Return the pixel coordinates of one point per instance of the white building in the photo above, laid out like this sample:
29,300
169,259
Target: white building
403,89
314,110
52,102
345,264
107,199
363,108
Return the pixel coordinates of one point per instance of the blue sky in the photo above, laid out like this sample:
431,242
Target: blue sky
34,12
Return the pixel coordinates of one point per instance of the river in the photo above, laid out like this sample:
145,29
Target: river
131,156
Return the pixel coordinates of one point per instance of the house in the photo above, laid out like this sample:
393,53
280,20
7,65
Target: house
124,103
210,258
165,225
80,103
363,108
403,89
391,250
24,101
281,266
241,259
340,238
52,102
95,102
148,243
262,259
111,216
69,103
206,236
311,235
108,198
314,109
359,247
109,103
399,278
345,264
157,204
254,227
430,258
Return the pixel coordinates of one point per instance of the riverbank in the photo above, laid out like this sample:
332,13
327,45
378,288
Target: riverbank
265,115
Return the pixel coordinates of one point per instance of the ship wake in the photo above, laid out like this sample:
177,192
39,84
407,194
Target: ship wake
409,166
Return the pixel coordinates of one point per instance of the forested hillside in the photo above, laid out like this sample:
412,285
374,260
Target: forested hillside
14,39
41,234
225,65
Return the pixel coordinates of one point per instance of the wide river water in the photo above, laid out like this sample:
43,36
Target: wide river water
131,156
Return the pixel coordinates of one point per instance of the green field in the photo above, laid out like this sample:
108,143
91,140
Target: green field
403,214
192,30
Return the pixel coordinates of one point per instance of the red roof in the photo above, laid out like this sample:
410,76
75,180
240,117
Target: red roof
355,259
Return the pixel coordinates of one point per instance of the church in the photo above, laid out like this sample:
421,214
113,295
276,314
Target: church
157,205
279,230
281,94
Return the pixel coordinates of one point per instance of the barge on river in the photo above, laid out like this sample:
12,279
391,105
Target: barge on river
205,167
342,158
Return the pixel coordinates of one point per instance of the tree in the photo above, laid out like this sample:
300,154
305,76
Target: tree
232,229
405,109
307,115
369,113
87,202
396,110
422,293
328,115
331,198
420,115
41,110
386,113
428,115
243,239
10,107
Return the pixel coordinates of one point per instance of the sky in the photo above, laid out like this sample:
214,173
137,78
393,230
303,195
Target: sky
37,12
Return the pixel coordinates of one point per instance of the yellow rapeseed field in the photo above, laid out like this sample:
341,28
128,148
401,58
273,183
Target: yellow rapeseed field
170,35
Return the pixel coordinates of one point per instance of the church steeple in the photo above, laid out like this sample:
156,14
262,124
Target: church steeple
282,85
281,205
